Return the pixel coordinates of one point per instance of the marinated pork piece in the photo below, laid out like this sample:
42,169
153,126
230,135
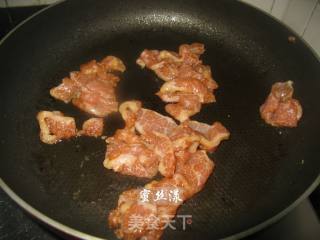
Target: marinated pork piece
173,152
151,216
210,136
184,139
172,90
54,126
151,142
92,89
163,148
280,109
189,83
142,147
185,97
128,154
151,121
129,111
93,127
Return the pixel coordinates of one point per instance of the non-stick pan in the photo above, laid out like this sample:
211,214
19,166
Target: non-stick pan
261,173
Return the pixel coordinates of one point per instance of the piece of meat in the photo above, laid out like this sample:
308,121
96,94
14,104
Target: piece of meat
280,109
141,155
187,105
144,213
129,111
97,96
148,58
151,121
145,120
92,88
185,77
66,91
113,64
199,72
54,126
128,154
142,147
184,139
163,148
191,134
210,135
130,218
92,127
136,219
170,91
191,53
151,142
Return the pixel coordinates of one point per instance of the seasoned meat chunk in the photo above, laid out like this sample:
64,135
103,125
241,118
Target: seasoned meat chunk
128,154
151,121
163,148
151,142
189,83
54,126
280,109
133,217
92,89
142,147
210,135
92,127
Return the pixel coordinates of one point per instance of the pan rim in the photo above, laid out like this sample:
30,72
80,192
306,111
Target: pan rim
76,233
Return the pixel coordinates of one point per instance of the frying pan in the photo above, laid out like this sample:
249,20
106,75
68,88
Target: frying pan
261,172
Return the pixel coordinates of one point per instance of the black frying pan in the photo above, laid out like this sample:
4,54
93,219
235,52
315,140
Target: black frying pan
261,172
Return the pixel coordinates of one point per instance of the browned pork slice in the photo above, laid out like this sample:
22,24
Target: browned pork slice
151,142
128,154
280,109
143,147
54,126
92,89
139,217
189,83
92,127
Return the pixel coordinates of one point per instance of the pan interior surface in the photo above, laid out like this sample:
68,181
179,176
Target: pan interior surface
259,171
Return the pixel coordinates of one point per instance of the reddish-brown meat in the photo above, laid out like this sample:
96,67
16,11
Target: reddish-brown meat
163,148
128,154
142,147
92,88
151,142
137,219
189,83
174,152
280,109
54,126
151,121
93,127
186,106
210,135
140,156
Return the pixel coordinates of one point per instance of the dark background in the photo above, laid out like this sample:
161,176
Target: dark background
301,223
